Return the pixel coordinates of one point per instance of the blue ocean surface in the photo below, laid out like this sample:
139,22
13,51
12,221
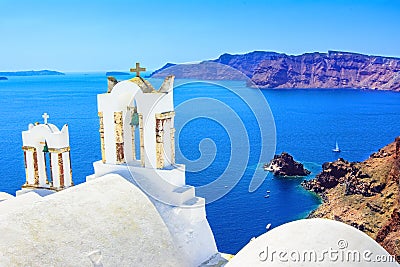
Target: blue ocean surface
308,123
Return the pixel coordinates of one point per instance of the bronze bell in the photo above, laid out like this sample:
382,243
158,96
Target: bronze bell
45,148
135,119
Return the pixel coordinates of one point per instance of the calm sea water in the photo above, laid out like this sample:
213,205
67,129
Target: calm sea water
308,122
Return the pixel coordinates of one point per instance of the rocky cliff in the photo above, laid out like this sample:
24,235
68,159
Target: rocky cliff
311,70
331,70
364,195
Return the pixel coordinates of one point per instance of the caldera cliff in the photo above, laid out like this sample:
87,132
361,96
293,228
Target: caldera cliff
364,195
333,70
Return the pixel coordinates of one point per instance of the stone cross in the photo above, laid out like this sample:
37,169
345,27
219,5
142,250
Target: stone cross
138,69
45,116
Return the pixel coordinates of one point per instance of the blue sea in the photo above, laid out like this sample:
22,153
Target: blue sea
307,123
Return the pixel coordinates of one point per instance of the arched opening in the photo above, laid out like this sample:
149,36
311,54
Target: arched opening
134,123
47,164
120,124
165,139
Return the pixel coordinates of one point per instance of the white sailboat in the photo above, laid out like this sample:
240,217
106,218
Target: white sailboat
336,149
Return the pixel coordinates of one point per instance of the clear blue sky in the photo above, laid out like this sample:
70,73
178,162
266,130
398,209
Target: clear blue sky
112,35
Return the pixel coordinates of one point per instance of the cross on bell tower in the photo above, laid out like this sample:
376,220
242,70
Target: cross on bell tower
138,69
45,116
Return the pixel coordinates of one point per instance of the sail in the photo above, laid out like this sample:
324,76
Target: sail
336,149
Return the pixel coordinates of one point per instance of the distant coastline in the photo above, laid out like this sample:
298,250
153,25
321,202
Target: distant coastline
116,73
331,70
31,73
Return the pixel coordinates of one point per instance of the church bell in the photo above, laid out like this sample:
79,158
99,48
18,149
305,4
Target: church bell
45,148
135,119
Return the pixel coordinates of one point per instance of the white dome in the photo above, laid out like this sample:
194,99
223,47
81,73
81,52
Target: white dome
313,242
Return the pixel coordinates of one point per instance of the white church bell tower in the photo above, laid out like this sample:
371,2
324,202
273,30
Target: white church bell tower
46,156
137,139
135,104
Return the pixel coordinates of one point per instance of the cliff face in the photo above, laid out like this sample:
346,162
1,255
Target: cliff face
331,70
226,70
246,63
364,195
201,71
310,70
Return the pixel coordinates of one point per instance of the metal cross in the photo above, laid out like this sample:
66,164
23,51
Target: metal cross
45,116
138,69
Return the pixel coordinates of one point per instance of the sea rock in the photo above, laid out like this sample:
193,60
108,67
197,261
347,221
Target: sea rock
285,165
3,78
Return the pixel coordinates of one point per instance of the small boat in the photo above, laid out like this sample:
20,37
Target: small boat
266,196
268,226
336,149
268,191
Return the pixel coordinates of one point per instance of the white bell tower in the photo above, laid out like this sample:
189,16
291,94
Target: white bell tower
53,172
137,138
136,104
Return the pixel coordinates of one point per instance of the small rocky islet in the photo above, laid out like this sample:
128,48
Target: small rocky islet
285,165
30,73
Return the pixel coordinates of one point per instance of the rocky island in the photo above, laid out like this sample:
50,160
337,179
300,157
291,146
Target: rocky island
285,165
334,69
364,195
31,73
116,73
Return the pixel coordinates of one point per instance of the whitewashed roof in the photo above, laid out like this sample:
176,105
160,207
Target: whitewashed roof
108,221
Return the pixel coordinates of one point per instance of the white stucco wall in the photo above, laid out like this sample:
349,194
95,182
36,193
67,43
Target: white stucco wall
108,214
182,212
